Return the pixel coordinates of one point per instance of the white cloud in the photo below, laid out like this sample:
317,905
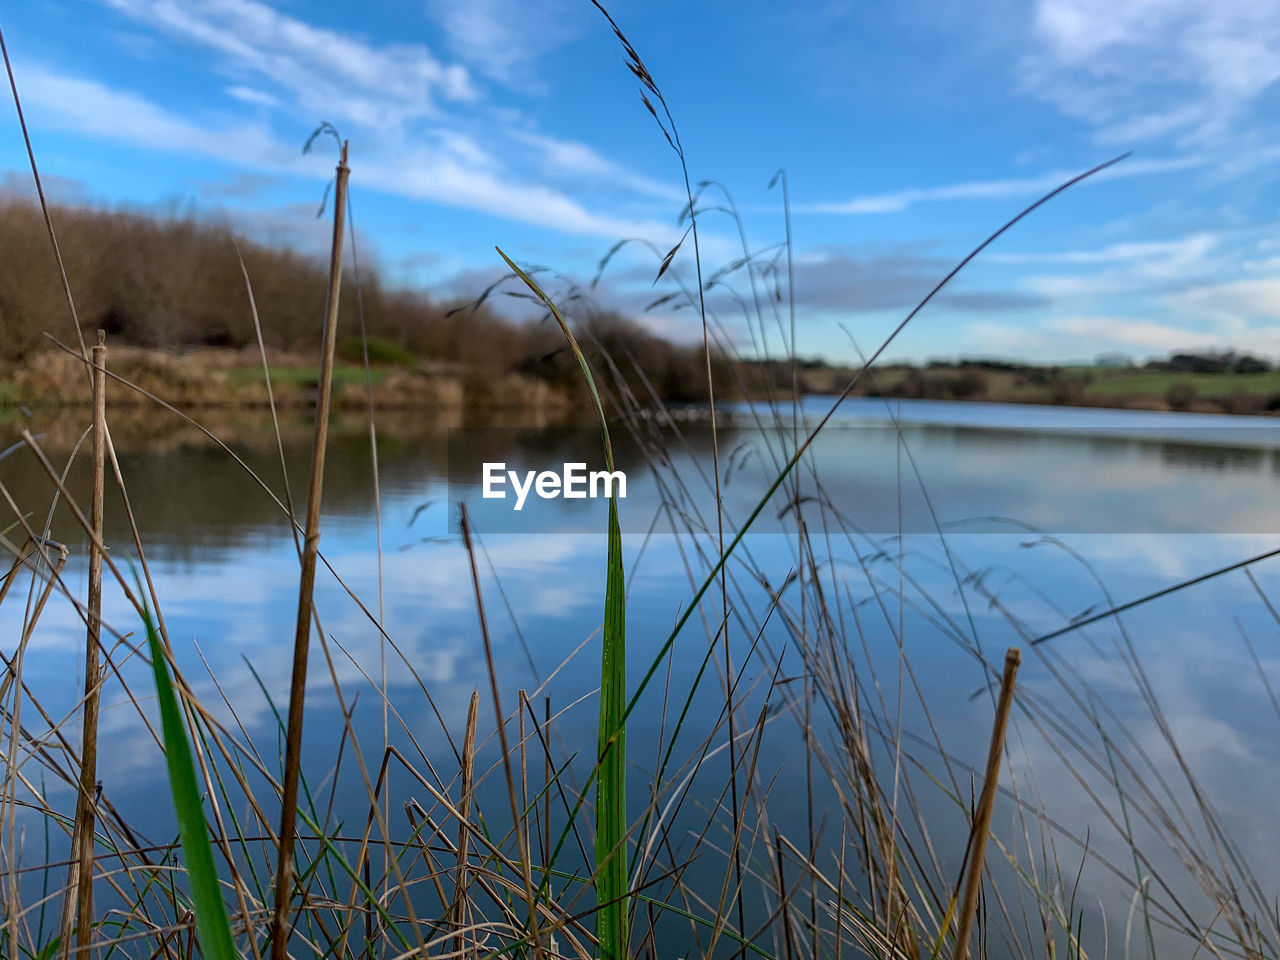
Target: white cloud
1134,333
503,39
900,200
1003,338
429,175
1170,254
1226,332
453,170
1140,267
326,72
1144,69
250,95
1238,299
1080,335
393,100
1267,264
570,157
89,107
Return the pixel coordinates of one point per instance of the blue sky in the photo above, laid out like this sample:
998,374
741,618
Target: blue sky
908,132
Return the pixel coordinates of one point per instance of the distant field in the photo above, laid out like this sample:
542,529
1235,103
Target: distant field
1157,382
1138,388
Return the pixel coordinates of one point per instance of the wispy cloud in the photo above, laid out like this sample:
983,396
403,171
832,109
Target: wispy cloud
1146,69
1161,337
1127,331
324,71
1156,268
504,39
258,98
575,159
900,200
447,169
421,127
1161,255
839,282
443,178
1082,335
986,336
89,107
1238,301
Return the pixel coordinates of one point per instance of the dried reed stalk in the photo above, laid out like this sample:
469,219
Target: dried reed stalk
986,804
77,913
306,582
464,816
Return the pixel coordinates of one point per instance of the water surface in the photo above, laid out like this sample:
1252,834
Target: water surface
943,531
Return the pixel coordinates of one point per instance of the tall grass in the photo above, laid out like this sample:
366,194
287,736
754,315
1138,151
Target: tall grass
613,930
541,865
206,892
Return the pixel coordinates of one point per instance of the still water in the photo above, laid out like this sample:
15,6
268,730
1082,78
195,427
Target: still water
945,531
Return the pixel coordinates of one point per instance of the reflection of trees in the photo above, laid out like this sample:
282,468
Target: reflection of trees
1203,457
187,494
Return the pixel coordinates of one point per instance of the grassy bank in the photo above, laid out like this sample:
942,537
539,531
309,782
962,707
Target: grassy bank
1134,388
211,378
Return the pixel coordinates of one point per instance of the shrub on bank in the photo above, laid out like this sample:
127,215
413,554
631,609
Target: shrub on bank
1181,396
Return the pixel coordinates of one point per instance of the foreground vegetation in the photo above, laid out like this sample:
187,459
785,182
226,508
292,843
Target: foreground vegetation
560,860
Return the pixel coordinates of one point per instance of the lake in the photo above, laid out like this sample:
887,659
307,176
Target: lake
939,534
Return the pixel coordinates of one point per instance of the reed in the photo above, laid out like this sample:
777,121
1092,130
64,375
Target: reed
80,879
306,582
977,850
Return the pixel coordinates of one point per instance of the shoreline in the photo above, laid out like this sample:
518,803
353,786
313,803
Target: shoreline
226,379
232,380
1132,403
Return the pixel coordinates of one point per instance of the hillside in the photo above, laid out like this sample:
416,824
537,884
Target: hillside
171,291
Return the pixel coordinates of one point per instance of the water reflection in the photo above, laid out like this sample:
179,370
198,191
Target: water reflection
226,568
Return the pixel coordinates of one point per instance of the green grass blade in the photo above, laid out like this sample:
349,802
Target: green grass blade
212,927
612,926
611,788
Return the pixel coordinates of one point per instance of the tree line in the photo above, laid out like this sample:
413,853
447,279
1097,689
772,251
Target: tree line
175,282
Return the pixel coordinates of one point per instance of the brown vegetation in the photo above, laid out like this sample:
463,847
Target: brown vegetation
174,285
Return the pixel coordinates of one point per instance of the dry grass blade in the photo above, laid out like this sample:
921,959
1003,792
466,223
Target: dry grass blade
518,824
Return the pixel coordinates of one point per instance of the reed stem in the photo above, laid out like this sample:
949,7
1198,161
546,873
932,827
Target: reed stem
986,804
459,908
306,582
77,914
